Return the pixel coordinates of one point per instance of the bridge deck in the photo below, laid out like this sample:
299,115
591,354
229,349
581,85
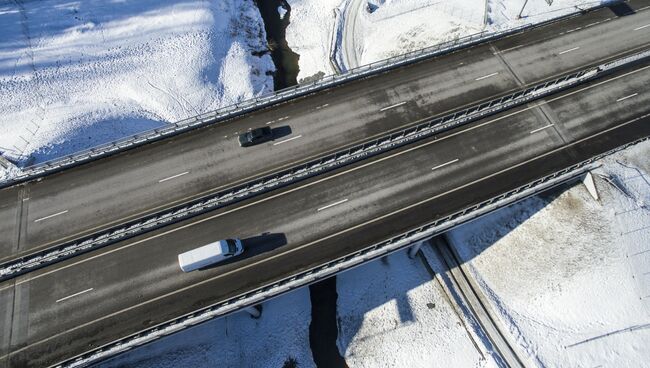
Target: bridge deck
62,310
65,309
98,195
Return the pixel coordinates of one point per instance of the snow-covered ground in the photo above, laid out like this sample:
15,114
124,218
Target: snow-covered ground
276,339
74,74
379,29
308,34
392,313
77,74
570,276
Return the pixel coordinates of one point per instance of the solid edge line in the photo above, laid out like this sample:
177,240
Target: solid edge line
327,237
425,144
217,188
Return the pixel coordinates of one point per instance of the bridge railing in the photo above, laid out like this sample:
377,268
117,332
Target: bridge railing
102,150
320,165
374,251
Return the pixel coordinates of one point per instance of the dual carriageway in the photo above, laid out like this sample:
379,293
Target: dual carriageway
60,311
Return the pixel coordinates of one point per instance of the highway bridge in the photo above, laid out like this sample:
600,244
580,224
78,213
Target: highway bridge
63,310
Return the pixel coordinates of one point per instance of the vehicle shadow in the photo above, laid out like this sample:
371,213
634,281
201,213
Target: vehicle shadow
281,132
254,246
263,243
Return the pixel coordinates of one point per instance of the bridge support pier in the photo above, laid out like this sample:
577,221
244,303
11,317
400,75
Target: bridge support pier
588,181
255,311
413,249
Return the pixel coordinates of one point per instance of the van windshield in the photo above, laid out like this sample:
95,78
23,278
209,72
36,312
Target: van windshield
232,247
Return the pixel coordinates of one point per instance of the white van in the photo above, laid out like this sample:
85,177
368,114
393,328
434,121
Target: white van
210,254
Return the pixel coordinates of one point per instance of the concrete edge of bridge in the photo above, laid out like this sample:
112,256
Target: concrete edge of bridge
273,290
213,117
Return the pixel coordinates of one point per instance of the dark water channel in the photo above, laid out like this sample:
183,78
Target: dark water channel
285,60
323,329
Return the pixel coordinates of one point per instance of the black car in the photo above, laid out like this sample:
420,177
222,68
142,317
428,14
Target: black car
255,136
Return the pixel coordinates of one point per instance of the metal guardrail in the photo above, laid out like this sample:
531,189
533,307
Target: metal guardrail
27,263
41,169
347,262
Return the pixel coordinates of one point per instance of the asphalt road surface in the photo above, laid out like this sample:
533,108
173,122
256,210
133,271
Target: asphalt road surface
67,308
101,194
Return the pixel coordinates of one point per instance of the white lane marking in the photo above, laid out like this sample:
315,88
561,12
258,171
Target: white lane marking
392,106
573,30
332,205
73,295
445,164
287,140
283,118
314,156
510,49
25,199
300,247
642,27
626,97
321,106
328,178
173,176
592,24
270,122
50,216
569,50
540,129
486,76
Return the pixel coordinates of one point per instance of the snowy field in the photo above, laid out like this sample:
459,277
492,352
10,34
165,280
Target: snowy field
392,313
279,338
74,74
570,276
392,27
77,74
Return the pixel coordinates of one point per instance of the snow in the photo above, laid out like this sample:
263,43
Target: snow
379,29
393,314
568,275
282,11
309,32
77,74
504,13
281,334
400,26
